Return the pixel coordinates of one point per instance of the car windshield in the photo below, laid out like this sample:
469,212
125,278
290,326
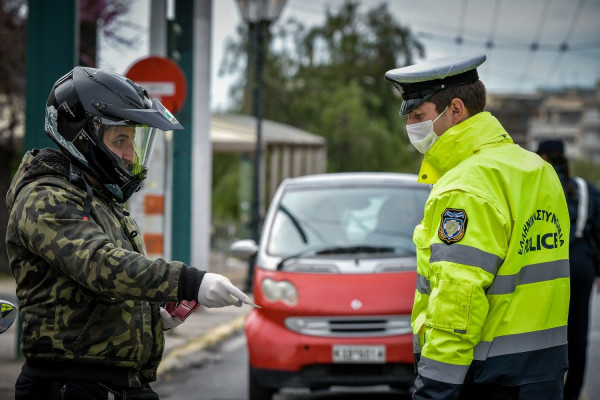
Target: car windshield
347,220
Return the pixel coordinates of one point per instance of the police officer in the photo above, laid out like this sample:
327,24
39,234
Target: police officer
491,301
89,297
583,201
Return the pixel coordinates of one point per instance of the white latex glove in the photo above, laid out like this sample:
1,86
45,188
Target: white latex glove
218,291
168,321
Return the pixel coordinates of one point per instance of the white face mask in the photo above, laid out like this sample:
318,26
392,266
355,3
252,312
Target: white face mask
421,134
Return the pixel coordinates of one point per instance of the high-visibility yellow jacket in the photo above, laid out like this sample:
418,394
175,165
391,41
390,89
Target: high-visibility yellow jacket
492,293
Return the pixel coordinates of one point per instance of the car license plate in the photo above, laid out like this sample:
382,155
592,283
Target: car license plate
358,354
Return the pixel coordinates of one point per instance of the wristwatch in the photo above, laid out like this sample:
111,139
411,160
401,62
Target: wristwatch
181,310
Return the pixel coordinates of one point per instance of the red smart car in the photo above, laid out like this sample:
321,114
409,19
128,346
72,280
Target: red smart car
335,275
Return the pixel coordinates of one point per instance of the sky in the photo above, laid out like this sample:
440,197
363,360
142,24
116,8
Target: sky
521,38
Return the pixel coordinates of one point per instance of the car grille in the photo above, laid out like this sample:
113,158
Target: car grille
368,326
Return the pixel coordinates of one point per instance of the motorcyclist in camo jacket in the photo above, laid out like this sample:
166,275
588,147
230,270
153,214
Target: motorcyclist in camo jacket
89,298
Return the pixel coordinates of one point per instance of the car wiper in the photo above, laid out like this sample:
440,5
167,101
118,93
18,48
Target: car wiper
335,250
306,252
356,249
295,222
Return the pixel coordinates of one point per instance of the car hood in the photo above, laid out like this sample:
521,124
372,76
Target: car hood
342,294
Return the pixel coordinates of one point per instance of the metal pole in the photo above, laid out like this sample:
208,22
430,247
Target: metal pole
258,28
201,145
258,113
181,50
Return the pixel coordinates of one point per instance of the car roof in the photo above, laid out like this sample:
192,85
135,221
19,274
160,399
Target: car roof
353,179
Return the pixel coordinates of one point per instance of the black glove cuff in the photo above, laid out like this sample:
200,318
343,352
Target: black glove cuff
189,283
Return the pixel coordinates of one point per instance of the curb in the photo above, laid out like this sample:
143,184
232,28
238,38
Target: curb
174,358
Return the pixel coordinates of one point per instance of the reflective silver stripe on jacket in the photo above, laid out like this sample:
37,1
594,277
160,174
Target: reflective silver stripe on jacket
502,345
423,285
416,347
521,342
460,254
442,372
504,284
466,255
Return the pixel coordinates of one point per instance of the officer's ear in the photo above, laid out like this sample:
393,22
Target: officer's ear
458,111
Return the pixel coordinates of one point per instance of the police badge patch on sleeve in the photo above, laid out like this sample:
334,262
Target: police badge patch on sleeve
453,225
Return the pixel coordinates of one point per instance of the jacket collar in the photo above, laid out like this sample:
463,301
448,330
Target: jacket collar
459,142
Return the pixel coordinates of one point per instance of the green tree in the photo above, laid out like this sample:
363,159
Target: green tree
337,87
329,80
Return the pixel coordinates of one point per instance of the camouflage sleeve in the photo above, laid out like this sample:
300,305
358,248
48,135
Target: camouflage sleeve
52,225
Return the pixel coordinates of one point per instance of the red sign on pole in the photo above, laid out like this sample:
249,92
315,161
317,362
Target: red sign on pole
162,78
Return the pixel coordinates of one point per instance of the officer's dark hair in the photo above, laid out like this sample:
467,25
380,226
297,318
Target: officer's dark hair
471,94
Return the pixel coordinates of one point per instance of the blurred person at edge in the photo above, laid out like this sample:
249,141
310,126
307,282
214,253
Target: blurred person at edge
491,301
583,201
88,296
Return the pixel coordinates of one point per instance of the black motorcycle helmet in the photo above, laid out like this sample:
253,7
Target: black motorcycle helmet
88,106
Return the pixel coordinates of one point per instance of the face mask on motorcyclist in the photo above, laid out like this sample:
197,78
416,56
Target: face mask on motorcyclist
421,134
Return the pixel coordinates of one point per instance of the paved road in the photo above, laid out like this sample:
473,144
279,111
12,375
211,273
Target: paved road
221,374
212,374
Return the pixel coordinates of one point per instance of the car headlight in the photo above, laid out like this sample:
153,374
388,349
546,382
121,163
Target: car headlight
283,291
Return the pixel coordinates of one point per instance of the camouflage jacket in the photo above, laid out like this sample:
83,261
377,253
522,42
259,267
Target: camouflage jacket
87,292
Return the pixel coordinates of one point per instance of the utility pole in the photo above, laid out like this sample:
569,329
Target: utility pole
189,46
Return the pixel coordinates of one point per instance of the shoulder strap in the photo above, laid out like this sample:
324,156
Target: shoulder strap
582,206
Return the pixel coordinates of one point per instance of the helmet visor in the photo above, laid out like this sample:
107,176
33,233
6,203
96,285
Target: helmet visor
132,145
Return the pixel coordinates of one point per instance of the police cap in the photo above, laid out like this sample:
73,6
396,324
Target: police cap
418,82
551,146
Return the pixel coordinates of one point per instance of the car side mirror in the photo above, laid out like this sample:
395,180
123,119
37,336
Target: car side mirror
8,313
243,249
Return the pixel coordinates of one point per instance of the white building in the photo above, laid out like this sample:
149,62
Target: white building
574,117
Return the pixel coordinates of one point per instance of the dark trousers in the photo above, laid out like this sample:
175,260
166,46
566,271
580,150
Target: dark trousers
550,390
28,388
582,280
